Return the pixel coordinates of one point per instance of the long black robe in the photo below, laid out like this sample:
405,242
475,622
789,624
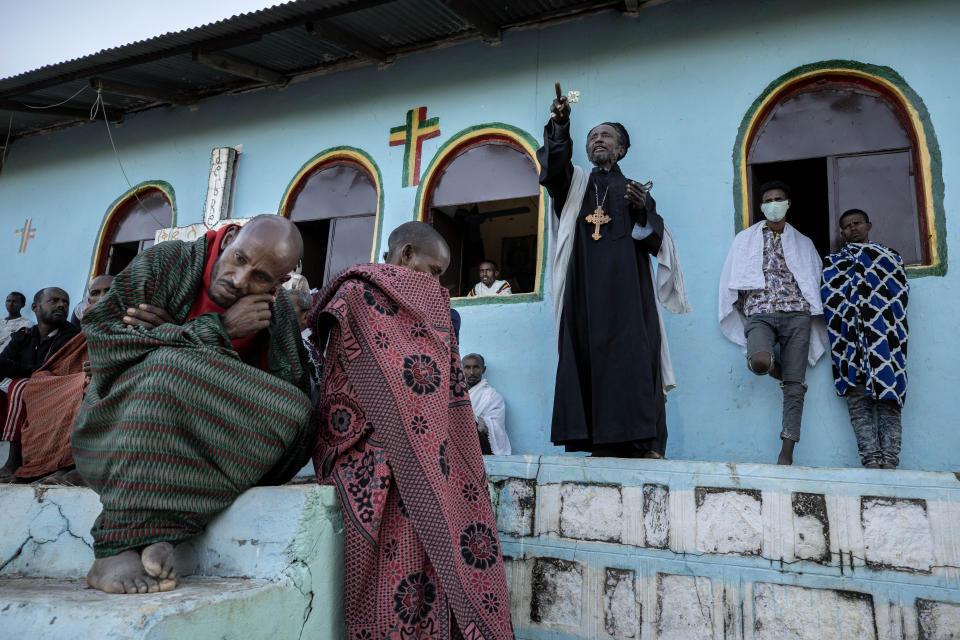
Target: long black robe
609,395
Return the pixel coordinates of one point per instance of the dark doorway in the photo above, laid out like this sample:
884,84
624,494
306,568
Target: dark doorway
133,229
809,194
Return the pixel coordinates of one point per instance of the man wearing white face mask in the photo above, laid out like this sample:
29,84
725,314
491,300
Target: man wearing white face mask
770,294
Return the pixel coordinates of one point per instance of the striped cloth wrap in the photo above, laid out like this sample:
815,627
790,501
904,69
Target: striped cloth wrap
174,426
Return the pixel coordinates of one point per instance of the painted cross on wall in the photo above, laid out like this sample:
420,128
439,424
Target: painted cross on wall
26,234
411,135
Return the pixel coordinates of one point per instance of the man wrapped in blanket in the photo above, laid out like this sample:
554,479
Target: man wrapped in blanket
397,438
864,294
197,393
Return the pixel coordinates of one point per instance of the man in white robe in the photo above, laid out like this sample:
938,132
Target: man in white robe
14,321
488,407
489,285
769,295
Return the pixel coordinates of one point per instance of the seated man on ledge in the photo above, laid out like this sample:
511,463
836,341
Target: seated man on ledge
27,351
396,437
489,408
197,393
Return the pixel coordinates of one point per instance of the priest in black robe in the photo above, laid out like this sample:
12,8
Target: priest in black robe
609,396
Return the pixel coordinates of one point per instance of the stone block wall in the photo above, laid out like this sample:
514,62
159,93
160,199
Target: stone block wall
610,548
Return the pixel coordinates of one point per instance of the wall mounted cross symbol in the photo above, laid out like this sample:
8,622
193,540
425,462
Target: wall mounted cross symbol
411,135
27,233
597,218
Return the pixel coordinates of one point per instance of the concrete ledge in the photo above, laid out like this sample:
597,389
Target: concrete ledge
618,548
270,566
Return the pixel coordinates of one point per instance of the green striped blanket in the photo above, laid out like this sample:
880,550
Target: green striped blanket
174,425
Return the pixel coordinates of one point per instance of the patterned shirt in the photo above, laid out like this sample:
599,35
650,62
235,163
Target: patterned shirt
781,292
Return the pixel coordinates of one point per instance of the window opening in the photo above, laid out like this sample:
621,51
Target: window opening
486,204
133,228
335,208
842,144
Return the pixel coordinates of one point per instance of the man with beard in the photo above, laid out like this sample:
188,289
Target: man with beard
489,285
489,408
27,350
397,438
864,293
614,365
198,392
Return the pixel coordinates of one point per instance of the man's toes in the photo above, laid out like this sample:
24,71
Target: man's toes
157,559
129,585
167,584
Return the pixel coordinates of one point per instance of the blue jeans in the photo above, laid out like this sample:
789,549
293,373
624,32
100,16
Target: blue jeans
878,441
791,330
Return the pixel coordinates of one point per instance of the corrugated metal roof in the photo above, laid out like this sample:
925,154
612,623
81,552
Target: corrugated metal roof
276,39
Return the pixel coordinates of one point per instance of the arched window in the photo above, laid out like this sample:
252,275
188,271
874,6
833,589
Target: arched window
334,201
844,140
131,224
483,195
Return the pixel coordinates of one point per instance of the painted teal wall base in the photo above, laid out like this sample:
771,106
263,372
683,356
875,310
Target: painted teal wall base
680,76
608,548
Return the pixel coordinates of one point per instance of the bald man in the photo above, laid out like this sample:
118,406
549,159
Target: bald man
198,392
398,440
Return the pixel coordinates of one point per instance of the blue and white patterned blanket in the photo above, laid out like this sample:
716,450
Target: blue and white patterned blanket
864,295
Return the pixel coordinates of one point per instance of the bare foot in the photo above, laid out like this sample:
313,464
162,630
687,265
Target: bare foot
122,573
652,455
157,560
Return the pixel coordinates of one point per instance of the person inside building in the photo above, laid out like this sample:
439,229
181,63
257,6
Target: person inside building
97,288
397,438
864,295
16,301
614,365
770,295
26,352
489,409
489,285
205,331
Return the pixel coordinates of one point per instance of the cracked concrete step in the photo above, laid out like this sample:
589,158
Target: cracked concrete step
270,566
198,608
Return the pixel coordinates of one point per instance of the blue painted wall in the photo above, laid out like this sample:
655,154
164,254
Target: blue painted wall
680,76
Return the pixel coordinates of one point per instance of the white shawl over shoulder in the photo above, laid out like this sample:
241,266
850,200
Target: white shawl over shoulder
668,281
743,271
489,405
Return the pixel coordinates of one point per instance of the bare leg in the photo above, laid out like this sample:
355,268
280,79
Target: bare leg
786,452
14,460
157,561
122,573
65,477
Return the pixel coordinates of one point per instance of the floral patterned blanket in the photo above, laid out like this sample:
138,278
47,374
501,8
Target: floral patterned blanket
397,438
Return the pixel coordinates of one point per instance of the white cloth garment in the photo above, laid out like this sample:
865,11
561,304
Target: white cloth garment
8,327
743,271
668,281
489,405
481,289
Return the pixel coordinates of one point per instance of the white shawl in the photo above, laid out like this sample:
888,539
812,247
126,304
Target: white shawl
668,281
743,271
489,405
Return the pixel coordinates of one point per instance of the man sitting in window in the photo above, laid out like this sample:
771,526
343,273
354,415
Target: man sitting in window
864,294
489,285
27,350
488,408
769,293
